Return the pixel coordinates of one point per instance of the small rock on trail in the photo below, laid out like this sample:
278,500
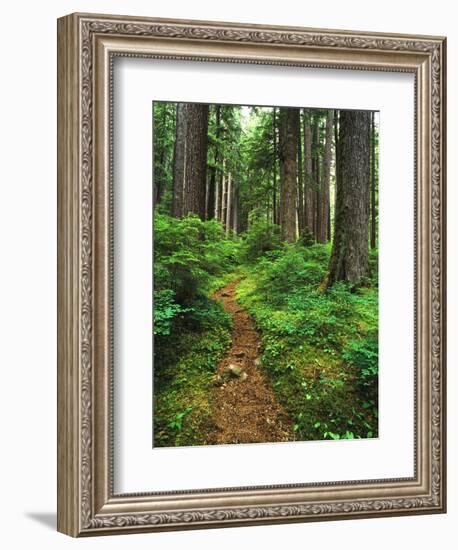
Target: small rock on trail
235,370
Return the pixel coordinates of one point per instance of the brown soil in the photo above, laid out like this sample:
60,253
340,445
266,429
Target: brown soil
244,407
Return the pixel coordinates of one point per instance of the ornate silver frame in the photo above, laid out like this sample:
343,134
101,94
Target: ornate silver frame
87,44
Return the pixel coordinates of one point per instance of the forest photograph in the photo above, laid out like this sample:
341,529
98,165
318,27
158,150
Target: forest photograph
265,274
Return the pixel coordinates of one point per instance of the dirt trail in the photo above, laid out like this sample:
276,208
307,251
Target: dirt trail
244,407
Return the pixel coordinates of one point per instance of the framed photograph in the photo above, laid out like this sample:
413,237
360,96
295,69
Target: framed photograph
251,289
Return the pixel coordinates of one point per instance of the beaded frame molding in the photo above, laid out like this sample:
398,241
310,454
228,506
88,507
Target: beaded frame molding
87,45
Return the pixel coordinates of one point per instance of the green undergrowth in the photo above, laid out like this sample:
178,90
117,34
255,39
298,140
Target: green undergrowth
320,348
183,383
192,259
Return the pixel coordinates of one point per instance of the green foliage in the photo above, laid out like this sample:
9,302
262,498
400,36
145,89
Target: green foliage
205,313
262,237
165,310
319,347
295,267
191,331
187,253
183,372
306,237
363,354
164,135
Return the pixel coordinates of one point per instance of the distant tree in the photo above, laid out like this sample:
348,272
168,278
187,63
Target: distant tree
324,210
179,160
214,133
164,129
300,183
308,174
316,171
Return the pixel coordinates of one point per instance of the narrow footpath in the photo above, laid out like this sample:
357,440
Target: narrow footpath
244,407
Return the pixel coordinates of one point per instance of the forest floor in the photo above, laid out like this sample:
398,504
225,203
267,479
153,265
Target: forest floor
248,346
244,406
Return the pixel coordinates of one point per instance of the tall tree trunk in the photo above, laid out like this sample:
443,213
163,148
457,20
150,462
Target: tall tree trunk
336,157
281,140
300,184
190,160
217,192
336,142
179,160
212,200
210,208
308,176
288,157
160,182
196,159
207,193
235,221
322,235
223,197
158,189
274,186
373,186
349,259
316,165
229,203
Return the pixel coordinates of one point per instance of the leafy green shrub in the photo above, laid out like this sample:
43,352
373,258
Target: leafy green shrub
288,272
165,311
187,253
319,347
319,253
203,313
373,266
306,237
261,237
363,354
183,373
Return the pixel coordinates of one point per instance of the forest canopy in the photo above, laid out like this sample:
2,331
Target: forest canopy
265,222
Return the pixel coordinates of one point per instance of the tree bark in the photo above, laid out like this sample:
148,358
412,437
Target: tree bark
235,221
308,181
288,159
316,161
223,197
300,184
217,191
211,209
322,235
179,160
373,186
349,259
195,159
160,181
274,187
229,203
